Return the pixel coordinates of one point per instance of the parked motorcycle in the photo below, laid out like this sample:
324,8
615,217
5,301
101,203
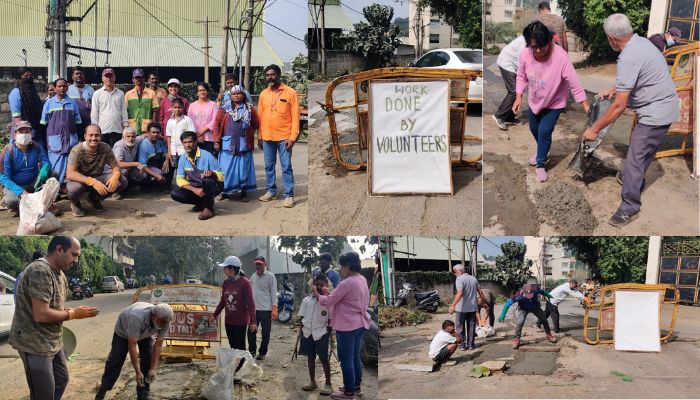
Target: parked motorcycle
285,302
77,292
87,290
428,301
369,350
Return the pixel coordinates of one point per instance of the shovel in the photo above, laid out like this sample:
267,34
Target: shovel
582,159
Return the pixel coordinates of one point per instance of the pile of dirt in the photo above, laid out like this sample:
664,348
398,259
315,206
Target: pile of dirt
564,206
394,317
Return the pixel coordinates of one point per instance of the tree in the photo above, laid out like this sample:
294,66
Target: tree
306,249
511,269
611,259
464,16
376,39
586,18
16,251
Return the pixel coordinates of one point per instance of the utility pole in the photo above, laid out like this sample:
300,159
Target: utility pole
206,47
323,37
62,65
249,44
449,255
475,254
464,250
224,56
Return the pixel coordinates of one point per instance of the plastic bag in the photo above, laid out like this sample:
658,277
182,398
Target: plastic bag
485,331
220,385
34,217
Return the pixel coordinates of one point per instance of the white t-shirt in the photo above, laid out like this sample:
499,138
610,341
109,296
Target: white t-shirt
560,292
315,318
508,57
174,129
440,340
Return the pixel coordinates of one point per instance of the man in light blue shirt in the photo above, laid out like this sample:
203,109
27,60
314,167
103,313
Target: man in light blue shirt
82,95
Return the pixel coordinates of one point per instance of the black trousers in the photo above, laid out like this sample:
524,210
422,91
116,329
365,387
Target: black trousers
551,309
466,320
236,336
505,110
211,187
115,361
111,138
264,319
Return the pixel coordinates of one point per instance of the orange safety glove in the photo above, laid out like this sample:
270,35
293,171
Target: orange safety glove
113,182
82,312
274,312
97,185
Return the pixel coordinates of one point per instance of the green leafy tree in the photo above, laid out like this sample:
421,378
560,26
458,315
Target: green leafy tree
16,251
464,16
511,269
611,259
586,18
376,39
306,249
94,264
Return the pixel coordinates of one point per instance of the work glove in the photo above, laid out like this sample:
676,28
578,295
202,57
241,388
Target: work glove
97,185
44,173
547,295
113,182
82,312
274,312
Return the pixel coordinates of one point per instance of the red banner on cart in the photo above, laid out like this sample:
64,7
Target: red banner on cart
194,325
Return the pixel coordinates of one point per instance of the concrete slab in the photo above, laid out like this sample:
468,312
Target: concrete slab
494,365
534,363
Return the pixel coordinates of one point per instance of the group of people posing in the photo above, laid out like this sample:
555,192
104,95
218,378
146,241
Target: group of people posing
103,141
537,62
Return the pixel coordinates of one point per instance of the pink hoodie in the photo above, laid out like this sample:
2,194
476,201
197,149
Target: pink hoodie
548,82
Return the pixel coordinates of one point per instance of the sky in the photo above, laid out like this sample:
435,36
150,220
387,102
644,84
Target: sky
490,245
291,16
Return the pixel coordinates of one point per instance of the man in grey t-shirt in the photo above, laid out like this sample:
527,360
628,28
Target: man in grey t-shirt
465,304
126,153
134,329
643,83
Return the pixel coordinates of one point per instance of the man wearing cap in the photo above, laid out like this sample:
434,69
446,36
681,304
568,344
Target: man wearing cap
141,103
82,95
237,300
133,335
108,109
87,166
669,39
265,295
278,110
24,167
166,107
559,295
37,325
643,83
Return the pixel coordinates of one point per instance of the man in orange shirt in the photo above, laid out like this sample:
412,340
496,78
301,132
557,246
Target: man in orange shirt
278,110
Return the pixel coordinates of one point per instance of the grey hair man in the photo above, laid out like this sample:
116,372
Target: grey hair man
643,83
465,305
133,333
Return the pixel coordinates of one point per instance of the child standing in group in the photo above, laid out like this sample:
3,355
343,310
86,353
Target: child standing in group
177,124
314,335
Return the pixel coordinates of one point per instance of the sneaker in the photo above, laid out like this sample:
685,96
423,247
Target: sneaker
622,218
501,123
267,197
288,202
541,174
436,366
472,347
358,390
244,196
310,386
516,343
223,196
205,215
95,202
100,394
260,357
516,121
117,196
198,208
326,390
77,209
551,338
342,396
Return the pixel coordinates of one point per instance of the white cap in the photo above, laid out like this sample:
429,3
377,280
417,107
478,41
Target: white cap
175,81
231,261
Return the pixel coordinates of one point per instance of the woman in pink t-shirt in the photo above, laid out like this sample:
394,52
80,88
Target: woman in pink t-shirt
546,71
350,320
203,113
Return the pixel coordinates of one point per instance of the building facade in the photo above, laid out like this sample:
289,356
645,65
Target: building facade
550,260
501,10
427,31
674,261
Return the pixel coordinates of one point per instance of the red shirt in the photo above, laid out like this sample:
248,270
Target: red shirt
237,299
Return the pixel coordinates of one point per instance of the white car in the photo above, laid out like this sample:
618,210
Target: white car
112,284
456,58
7,302
193,279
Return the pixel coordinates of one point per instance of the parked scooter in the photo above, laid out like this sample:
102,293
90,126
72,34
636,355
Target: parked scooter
87,290
77,292
285,302
428,301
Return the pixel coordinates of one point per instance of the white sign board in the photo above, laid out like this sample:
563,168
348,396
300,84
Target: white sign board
206,296
409,134
637,325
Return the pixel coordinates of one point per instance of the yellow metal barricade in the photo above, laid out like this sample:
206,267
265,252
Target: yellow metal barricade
604,305
349,148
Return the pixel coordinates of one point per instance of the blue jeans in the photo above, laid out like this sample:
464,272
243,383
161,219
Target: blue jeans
349,344
542,126
270,150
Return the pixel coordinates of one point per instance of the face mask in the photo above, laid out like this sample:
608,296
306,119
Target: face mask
670,42
23,138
